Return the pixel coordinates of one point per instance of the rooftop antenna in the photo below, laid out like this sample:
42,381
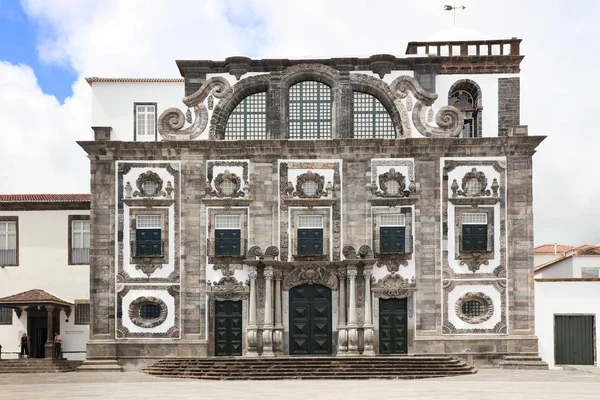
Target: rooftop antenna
453,8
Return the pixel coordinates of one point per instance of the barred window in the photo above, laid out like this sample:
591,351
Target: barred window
392,220
310,111
310,221
150,311
473,308
371,119
6,316
474,218
227,222
82,312
148,221
249,119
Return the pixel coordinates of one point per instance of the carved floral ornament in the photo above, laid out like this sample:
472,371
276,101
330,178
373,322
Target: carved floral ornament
485,308
474,184
394,286
310,275
310,185
135,308
228,184
392,184
171,122
149,184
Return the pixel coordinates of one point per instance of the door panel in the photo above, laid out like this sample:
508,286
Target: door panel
393,326
574,339
310,320
228,328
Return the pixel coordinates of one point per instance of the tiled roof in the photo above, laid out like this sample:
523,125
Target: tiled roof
32,296
587,250
93,79
549,249
44,198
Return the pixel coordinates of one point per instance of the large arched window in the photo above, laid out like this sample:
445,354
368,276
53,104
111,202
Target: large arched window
466,96
249,119
310,111
371,119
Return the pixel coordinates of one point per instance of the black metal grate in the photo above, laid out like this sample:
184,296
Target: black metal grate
310,111
371,119
82,313
6,316
249,119
472,308
150,311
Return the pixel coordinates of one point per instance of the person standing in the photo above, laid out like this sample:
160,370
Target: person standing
57,345
24,345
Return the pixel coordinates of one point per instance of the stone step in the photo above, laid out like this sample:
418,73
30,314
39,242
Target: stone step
37,366
100,365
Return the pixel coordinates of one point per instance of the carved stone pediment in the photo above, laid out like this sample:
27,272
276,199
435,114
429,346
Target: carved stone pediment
148,269
313,180
394,286
228,184
228,287
146,180
310,275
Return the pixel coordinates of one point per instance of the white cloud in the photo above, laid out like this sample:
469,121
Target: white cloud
140,38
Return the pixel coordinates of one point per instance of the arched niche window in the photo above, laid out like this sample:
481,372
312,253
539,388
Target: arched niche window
249,119
465,95
310,111
371,119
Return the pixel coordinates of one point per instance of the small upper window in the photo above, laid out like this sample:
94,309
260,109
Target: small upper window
371,119
392,233
310,235
474,232
249,119
82,312
310,111
590,272
80,242
228,235
145,121
6,315
8,242
148,236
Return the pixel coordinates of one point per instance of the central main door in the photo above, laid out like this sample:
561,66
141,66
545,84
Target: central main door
393,326
228,328
310,320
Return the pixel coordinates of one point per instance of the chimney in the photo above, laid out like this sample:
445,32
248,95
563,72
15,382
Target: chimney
554,248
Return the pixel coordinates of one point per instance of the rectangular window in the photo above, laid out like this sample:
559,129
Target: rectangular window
82,312
228,235
145,121
590,272
474,232
392,233
6,316
80,240
310,235
8,241
148,236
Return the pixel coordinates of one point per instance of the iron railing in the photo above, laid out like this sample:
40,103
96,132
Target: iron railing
408,246
226,248
148,248
299,249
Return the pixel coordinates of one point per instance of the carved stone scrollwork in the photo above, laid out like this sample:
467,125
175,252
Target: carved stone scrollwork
135,312
227,270
448,118
317,183
222,185
148,269
228,288
467,187
310,275
272,252
349,253
147,180
365,251
474,260
393,265
254,252
172,120
394,286
485,301
385,188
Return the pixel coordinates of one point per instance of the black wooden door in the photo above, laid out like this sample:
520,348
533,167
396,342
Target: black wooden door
148,242
227,242
392,239
393,326
310,320
310,242
228,328
574,339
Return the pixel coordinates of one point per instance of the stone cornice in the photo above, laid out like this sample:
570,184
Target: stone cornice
335,148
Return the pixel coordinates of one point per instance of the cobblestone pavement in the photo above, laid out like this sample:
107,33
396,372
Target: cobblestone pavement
485,385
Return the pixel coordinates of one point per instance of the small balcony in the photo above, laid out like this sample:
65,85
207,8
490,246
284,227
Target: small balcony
148,248
227,248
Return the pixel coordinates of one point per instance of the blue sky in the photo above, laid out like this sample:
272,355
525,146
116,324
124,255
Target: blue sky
18,38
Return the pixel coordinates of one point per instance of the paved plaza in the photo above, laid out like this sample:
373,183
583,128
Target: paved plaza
486,384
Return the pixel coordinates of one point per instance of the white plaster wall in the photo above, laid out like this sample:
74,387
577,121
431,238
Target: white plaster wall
584,262
562,269
158,293
43,264
489,90
553,298
539,259
112,103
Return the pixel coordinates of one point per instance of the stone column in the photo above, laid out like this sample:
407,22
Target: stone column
342,331
368,324
267,334
278,331
49,346
252,328
352,320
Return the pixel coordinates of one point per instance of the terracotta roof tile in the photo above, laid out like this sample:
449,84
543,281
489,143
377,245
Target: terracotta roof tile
93,79
549,249
44,198
587,250
33,296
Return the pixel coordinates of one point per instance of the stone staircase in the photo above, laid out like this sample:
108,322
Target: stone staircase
523,362
37,365
230,368
100,365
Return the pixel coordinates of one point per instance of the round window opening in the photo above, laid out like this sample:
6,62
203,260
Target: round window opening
473,308
150,311
309,188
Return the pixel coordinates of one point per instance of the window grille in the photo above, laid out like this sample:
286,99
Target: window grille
249,119
149,222
393,187
371,119
145,120
474,218
227,222
150,187
150,311
310,221
473,187
472,308
392,220
82,313
310,188
227,187
6,316
310,111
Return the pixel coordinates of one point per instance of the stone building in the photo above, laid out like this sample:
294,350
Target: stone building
341,206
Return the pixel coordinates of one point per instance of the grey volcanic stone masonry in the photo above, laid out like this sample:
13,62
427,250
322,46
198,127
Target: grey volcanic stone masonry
509,104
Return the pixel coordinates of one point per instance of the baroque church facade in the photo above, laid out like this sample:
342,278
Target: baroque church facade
341,206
